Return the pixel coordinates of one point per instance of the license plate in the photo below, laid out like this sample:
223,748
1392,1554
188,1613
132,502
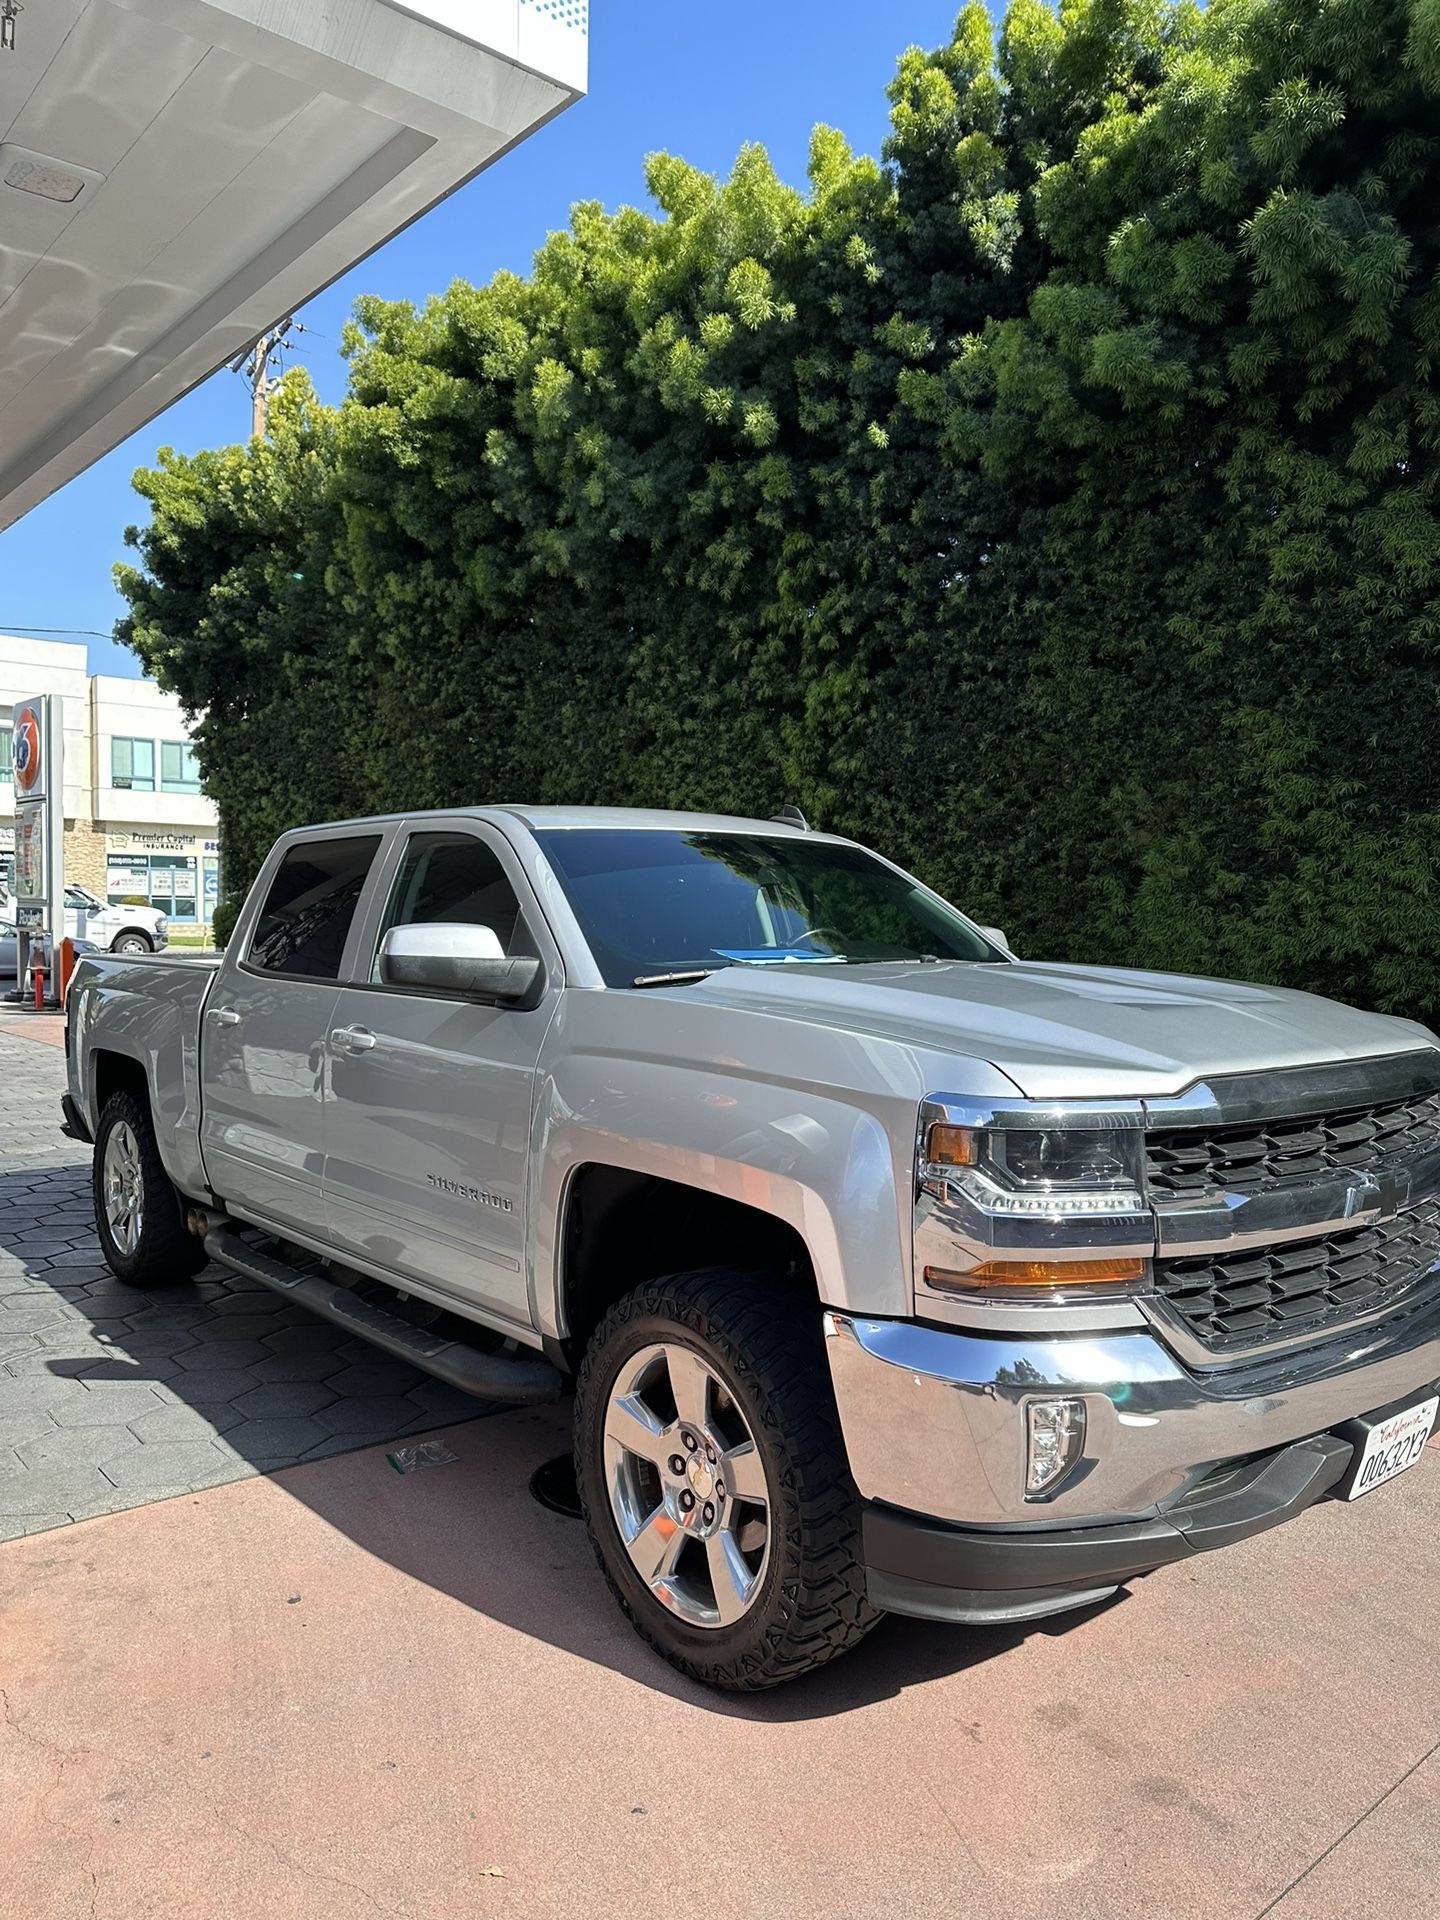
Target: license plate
1393,1446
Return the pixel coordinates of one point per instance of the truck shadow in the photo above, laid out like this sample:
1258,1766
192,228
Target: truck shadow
112,1398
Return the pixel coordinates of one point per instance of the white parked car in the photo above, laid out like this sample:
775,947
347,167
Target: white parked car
123,929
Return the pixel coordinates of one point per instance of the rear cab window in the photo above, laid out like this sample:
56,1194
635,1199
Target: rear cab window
303,926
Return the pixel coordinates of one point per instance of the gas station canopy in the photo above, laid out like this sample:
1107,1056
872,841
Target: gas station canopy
177,175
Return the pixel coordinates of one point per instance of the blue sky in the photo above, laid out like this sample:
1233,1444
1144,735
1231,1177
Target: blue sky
694,80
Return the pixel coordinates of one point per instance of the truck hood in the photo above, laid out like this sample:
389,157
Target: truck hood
1071,1032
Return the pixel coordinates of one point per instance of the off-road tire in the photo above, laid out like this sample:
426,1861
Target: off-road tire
167,1252
768,1349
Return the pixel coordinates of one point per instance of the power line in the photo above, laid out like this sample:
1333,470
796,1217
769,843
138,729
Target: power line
18,627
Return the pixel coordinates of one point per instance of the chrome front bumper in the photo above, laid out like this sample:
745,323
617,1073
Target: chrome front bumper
934,1421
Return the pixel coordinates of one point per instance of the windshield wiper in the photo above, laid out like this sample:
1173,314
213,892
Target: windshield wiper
673,979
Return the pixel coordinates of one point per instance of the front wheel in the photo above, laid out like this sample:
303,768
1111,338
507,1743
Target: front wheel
132,943
137,1211
714,1481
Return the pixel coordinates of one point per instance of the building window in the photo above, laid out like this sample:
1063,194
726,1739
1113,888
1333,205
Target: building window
7,758
165,881
179,771
132,764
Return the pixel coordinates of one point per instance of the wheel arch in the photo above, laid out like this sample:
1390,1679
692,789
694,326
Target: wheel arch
112,1072
620,1226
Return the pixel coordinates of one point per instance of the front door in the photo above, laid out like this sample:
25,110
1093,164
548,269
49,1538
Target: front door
428,1122
81,913
264,1059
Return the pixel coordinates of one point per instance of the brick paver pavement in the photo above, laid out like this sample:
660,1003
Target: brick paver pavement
111,1397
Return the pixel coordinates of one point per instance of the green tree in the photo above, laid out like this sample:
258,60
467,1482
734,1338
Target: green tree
1050,502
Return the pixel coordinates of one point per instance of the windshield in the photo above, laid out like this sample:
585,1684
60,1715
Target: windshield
658,902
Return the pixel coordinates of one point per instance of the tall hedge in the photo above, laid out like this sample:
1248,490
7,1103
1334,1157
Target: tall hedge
1051,503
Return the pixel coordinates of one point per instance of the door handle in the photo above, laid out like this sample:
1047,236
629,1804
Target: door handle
352,1039
225,1016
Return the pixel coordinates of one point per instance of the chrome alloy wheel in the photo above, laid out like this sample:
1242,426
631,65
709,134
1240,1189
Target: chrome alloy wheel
124,1185
687,1486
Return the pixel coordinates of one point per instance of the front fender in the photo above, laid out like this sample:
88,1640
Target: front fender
810,1123
825,1169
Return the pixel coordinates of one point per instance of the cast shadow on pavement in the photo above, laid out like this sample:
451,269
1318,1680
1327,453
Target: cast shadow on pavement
236,1380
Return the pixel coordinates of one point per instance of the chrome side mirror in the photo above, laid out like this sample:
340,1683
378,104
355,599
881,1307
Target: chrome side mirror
453,958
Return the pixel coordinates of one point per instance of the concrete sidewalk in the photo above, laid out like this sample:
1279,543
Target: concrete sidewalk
340,1692
46,1027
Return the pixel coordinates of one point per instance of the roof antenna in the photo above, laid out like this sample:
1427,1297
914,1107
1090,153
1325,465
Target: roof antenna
791,817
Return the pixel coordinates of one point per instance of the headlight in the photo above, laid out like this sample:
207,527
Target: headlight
1040,1161
1030,1207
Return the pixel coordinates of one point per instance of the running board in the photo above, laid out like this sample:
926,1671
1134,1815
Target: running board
523,1378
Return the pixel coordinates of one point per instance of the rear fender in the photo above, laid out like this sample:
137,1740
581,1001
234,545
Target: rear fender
146,1012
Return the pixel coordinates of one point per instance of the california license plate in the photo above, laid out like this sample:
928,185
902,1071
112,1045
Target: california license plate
1392,1446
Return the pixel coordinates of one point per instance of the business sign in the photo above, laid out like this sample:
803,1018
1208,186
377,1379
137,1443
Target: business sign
30,850
28,749
188,843
38,771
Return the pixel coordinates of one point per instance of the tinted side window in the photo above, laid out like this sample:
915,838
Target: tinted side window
456,878
312,900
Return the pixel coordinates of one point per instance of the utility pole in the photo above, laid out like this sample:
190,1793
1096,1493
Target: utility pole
255,365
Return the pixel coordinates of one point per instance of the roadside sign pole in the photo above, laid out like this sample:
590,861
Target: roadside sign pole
38,749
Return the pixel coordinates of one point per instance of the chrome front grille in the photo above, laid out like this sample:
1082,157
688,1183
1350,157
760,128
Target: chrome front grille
1183,1161
1292,1204
1240,1300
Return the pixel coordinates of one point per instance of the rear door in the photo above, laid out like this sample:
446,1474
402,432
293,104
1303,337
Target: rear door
428,1125
264,1058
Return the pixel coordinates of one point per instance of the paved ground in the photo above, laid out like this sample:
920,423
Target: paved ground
333,1691
109,1396
339,1693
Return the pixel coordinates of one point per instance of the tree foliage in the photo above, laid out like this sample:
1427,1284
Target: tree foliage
1051,503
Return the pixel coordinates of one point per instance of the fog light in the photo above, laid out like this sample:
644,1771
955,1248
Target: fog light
1055,1441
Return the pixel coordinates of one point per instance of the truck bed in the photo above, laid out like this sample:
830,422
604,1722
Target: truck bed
145,1008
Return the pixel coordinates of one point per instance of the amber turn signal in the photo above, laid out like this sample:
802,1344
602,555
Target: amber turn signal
952,1146
1036,1273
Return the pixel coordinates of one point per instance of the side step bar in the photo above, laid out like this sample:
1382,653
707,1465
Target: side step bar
522,1378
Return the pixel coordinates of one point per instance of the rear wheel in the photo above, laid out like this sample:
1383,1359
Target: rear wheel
137,1211
714,1482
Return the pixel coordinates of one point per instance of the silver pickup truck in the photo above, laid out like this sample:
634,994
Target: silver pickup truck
891,1272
